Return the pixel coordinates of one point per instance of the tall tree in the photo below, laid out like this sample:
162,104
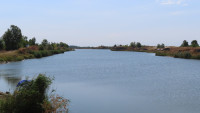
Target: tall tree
32,41
184,44
12,38
1,44
133,44
45,42
194,43
139,45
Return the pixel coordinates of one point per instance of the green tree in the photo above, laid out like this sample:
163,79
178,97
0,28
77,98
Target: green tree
24,41
132,44
32,41
194,43
45,42
12,38
184,44
162,45
2,46
158,46
139,45
64,45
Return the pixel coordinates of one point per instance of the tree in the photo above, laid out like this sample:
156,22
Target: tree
45,42
24,41
158,46
194,43
64,45
133,44
184,44
32,41
161,45
138,45
2,44
12,38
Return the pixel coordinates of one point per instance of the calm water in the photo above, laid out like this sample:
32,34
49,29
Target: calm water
103,81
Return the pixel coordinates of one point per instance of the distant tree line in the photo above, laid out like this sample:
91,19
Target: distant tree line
194,43
132,44
13,39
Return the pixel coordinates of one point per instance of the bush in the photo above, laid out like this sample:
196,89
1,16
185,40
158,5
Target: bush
186,55
37,54
31,97
19,58
2,60
161,54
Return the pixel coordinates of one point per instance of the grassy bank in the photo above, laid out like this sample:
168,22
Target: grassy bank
176,52
181,52
150,49
28,53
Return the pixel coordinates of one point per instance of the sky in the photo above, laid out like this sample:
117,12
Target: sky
104,22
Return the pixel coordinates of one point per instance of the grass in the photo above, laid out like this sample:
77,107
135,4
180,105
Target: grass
181,52
176,52
27,53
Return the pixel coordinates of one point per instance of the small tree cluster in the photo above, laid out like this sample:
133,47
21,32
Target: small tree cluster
13,39
46,45
161,45
134,44
194,43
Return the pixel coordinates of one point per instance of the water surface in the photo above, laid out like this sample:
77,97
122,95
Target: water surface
104,81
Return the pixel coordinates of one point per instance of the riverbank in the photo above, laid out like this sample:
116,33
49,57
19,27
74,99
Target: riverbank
28,53
176,52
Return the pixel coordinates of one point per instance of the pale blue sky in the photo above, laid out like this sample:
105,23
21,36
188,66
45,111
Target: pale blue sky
104,22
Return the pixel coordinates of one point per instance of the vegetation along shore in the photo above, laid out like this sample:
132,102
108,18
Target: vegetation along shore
16,47
31,96
186,50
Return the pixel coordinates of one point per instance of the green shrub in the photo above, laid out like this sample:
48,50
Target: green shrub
161,54
185,55
28,97
2,60
19,58
37,54
9,58
196,57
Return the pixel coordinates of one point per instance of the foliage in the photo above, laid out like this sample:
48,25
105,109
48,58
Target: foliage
45,42
161,54
12,38
32,41
194,43
24,41
56,104
2,45
186,55
161,46
184,44
133,44
32,97
139,45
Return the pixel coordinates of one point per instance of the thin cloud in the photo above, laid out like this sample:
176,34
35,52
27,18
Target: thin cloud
173,2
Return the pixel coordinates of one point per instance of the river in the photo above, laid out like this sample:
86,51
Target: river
104,81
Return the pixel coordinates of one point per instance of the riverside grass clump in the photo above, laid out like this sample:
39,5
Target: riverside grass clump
32,97
185,55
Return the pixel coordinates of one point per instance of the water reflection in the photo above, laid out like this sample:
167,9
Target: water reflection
11,77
